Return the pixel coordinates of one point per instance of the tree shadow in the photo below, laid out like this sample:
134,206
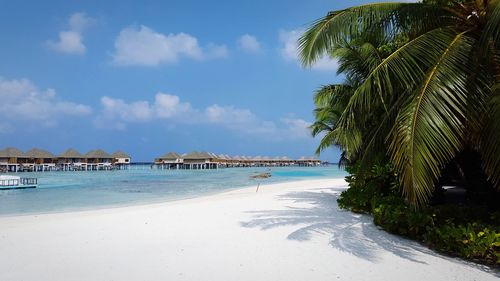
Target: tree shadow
349,232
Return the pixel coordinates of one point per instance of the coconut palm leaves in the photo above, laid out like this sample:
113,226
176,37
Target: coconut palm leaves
326,33
330,102
438,82
356,59
429,129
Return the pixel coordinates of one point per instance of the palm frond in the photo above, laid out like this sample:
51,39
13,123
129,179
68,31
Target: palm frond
324,34
319,127
375,144
327,141
405,68
492,28
429,129
331,94
490,145
343,161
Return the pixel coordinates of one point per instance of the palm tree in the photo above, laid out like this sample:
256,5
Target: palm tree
356,58
442,85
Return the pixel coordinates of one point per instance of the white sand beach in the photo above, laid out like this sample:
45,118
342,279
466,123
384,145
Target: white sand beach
289,231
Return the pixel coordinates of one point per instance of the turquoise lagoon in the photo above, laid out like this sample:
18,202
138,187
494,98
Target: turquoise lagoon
72,191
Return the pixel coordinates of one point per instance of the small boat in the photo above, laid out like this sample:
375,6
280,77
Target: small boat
261,176
15,182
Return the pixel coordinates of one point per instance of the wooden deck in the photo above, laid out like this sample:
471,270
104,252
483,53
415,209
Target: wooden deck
22,183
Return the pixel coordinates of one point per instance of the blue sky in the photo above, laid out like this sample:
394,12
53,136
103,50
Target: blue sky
149,77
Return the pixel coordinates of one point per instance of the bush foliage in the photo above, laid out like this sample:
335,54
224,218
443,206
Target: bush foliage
471,232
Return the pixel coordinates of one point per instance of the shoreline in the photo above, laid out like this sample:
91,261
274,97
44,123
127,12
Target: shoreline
286,231
162,200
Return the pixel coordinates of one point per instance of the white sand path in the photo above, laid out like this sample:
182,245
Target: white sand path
288,231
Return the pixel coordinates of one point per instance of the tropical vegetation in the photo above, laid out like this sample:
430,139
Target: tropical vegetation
419,108
426,94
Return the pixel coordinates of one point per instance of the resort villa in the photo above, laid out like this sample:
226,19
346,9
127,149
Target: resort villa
120,159
206,160
38,160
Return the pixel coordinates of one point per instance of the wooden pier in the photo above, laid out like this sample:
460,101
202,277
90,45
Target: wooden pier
17,183
206,160
37,160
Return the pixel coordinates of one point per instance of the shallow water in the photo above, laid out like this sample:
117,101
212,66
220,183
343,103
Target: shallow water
64,191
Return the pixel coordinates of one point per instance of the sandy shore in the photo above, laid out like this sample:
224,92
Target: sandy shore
289,231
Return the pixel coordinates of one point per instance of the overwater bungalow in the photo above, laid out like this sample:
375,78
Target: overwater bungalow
208,160
236,161
285,161
121,160
308,161
40,160
71,160
170,160
98,160
223,161
200,160
12,159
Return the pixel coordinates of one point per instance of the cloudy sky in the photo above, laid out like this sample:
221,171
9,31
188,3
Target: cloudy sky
149,77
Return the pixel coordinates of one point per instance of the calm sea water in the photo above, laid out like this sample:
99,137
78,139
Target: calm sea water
64,191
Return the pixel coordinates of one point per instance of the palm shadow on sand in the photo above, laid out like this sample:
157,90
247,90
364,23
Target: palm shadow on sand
349,232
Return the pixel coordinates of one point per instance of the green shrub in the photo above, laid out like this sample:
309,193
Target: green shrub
394,216
364,187
436,227
357,199
471,232
472,241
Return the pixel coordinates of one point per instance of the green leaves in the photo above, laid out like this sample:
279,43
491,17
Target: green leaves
420,81
405,67
492,29
382,18
490,142
429,129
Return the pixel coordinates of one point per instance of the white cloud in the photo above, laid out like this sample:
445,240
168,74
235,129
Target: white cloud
133,112
289,51
297,127
22,101
79,22
237,119
71,41
249,43
167,106
116,114
216,51
146,47
228,115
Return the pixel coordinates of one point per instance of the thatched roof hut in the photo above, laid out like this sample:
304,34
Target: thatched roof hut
195,155
171,156
120,154
12,152
98,154
37,153
70,153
